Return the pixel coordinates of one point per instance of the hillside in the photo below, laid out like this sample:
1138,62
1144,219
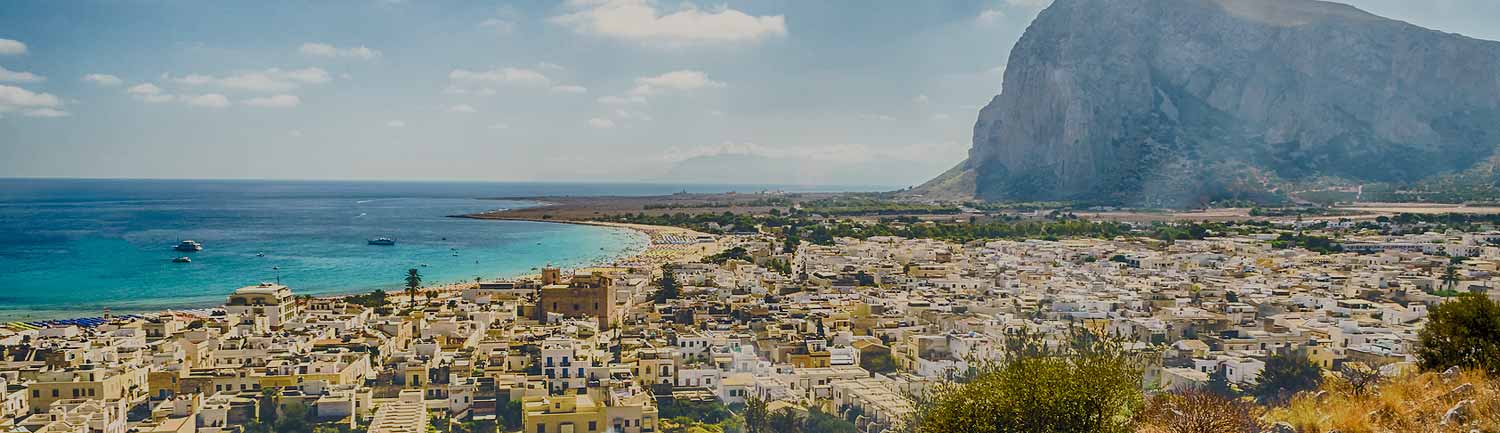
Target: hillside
1177,103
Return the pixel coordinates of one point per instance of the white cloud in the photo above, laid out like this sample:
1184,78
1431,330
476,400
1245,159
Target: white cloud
549,65
105,80
11,47
601,123
275,101
144,89
675,80
45,112
29,103
988,16
462,108
462,81
327,50
19,77
149,92
209,100
396,124
501,125
922,99
875,116
641,21
274,80
17,96
941,116
570,89
294,133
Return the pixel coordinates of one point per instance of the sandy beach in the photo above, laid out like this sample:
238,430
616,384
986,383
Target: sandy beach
667,245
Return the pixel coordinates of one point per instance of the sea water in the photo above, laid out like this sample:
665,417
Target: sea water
75,247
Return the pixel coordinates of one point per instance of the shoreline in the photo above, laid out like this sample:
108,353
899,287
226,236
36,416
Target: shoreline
653,253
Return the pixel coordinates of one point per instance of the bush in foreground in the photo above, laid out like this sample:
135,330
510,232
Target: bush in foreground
1463,332
1089,386
1199,411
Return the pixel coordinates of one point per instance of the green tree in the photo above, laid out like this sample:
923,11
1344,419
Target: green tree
510,415
1218,384
270,400
785,420
1089,385
1285,375
1462,332
669,288
413,282
819,422
757,420
878,363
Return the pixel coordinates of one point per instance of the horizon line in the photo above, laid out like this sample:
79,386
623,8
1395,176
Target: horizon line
635,182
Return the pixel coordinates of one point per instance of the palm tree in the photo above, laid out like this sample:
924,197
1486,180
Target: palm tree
1450,278
413,282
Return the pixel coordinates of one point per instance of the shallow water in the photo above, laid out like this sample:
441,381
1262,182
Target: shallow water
73,248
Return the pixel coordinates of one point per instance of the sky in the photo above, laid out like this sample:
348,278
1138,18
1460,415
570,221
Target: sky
837,92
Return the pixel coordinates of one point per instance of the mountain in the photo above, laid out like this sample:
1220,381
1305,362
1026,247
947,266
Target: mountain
791,170
1176,103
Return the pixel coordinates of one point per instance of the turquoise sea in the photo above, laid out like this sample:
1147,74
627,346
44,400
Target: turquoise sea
74,247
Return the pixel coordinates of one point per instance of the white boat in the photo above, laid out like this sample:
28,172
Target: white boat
183,259
188,246
382,241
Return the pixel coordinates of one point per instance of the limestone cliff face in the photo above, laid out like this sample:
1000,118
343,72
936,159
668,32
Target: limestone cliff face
1176,102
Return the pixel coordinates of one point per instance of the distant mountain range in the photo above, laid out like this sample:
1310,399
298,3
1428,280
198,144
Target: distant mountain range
1181,103
776,170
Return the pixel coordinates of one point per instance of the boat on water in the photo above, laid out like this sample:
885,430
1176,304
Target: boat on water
382,241
183,259
188,246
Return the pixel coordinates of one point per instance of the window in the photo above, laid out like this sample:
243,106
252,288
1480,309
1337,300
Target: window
593,425
55,393
541,428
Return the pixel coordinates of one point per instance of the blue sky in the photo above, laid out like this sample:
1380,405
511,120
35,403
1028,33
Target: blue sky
847,92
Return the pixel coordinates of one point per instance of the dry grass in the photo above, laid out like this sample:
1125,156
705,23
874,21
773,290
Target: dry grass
1411,403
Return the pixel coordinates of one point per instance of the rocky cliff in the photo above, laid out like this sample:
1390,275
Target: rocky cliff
1181,102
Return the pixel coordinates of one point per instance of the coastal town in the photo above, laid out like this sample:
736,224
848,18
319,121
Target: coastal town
703,330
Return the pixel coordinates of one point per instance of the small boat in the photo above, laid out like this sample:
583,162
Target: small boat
189,246
183,259
260,254
382,241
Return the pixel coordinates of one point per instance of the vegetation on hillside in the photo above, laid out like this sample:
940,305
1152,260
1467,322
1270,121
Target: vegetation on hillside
1089,385
1463,332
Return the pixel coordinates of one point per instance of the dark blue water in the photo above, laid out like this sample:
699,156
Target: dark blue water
75,247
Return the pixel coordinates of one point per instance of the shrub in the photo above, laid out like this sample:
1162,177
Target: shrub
1199,411
1090,385
1462,332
